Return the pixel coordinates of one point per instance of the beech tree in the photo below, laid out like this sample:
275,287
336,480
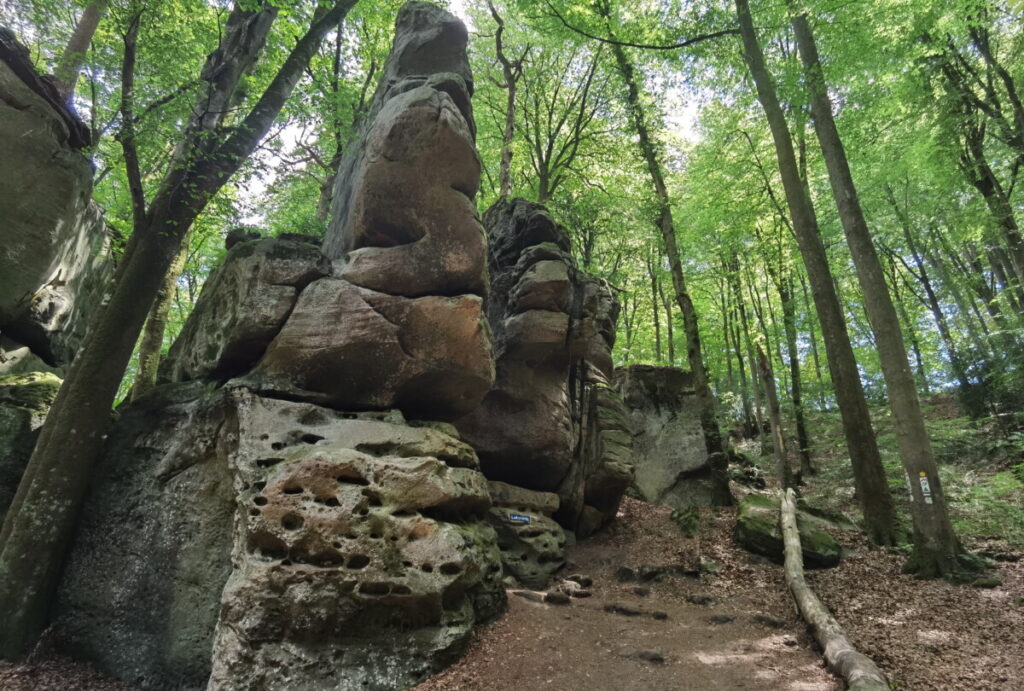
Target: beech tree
936,547
872,487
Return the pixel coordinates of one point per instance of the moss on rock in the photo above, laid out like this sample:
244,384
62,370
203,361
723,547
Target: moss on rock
757,530
34,391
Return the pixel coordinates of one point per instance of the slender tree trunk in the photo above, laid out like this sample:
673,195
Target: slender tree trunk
796,390
813,336
70,65
782,469
152,344
869,475
708,408
955,361
655,311
40,523
511,71
936,547
666,303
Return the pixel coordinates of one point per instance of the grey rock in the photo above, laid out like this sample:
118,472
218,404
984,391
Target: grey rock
551,422
671,462
55,266
532,544
244,303
264,543
757,530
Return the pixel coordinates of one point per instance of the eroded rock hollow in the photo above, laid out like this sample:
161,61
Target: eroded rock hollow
289,510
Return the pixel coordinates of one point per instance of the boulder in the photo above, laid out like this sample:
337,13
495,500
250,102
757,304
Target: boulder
671,462
244,303
758,531
260,539
532,544
56,265
24,401
349,347
551,422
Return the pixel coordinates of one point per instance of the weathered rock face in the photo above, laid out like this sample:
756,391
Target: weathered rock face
24,401
278,544
291,529
532,544
55,265
551,423
349,347
244,304
672,463
55,259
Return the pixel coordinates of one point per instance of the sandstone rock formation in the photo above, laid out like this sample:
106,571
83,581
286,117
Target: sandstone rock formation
400,322
55,262
55,266
286,511
284,544
551,423
532,544
672,463
244,304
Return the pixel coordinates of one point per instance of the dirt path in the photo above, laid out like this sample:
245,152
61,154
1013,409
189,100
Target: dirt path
673,624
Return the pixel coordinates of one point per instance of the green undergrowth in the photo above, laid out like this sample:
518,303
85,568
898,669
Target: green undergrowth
981,465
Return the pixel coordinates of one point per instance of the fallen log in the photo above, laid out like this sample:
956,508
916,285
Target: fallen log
857,669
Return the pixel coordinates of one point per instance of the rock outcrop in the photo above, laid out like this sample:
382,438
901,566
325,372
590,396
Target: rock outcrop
55,266
672,465
278,544
552,422
287,510
400,322
55,262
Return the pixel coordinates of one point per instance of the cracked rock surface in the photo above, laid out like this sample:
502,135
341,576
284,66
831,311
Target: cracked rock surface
672,466
551,422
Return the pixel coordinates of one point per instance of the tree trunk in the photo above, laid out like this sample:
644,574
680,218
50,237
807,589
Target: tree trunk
936,547
152,344
708,408
511,71
796,389
869,475
858,670
955,361
652,273
70,65
669,328
40,523
779,446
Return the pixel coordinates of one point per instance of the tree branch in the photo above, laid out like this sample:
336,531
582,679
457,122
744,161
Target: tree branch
645,46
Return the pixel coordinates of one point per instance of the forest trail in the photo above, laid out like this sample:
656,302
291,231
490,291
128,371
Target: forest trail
730,624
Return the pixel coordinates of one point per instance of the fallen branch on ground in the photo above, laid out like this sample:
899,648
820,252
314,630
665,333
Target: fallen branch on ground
857,669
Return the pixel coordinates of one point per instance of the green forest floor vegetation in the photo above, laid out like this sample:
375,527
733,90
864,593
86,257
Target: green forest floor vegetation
981,465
